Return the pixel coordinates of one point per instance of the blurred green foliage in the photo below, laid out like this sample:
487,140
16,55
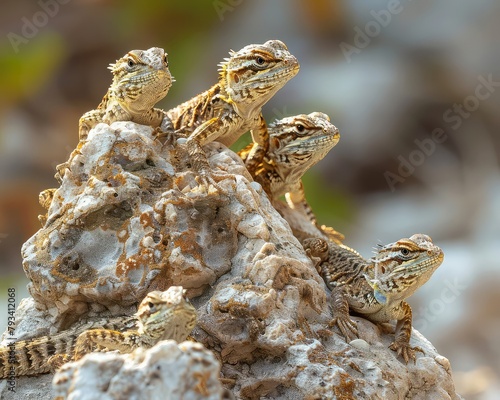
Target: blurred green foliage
23,73
331,206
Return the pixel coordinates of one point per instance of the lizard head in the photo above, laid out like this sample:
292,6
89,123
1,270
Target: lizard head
166,315
141,79
400,268
297,143
252,75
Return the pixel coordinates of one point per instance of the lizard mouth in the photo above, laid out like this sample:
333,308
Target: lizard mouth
314,144
289,68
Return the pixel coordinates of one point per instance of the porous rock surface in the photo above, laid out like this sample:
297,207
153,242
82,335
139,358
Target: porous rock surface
166,371
129,217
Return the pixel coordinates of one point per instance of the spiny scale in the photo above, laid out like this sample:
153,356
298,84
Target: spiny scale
377,289
141,79
295,145
247,80
160,316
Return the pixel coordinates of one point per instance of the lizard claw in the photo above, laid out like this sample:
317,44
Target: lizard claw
405,350
346,325
207,179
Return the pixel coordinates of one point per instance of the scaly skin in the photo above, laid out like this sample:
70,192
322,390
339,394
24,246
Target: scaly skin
247,80
141,79
295,145
377,289
160,316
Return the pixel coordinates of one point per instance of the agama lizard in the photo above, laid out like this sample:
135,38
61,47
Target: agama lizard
295,145
376,289
141,78
160,316
247,80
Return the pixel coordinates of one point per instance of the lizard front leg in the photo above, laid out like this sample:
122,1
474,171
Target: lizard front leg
87,122
341,317
401,344
152,117
260,137
206,133
104,338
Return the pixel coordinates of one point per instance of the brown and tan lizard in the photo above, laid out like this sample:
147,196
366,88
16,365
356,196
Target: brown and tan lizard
141,79
295,145
160,316
376,289
247,80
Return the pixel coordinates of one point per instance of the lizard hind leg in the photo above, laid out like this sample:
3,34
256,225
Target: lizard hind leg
58,360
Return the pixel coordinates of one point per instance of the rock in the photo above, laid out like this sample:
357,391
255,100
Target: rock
166,371
129,217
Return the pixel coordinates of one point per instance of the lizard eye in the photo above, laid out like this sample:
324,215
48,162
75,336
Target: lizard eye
300,128
260,60
405,252
151,305
165,58
130,62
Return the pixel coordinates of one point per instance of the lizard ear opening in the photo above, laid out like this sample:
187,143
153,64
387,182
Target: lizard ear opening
234,77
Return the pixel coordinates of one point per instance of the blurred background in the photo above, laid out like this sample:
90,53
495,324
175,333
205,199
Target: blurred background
412,86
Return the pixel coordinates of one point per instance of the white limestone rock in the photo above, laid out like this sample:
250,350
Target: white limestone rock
166,371
129,217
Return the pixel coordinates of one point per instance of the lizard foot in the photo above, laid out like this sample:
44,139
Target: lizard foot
61,170
346,325
207,179
405,350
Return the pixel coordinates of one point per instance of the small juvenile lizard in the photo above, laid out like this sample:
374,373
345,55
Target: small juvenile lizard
295,145
160,316
141,79
376,289
247,80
